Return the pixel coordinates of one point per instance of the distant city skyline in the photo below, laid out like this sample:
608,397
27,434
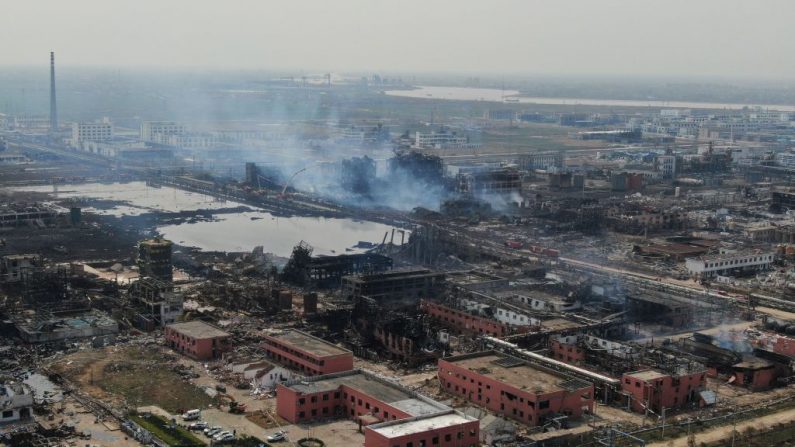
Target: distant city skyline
726,38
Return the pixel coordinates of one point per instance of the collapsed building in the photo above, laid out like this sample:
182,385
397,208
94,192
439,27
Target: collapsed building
486,181
16,214
155,302
16,402
328,271
395,288
13,268
59,325
154,259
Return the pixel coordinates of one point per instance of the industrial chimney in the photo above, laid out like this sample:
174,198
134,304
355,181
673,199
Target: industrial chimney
53,109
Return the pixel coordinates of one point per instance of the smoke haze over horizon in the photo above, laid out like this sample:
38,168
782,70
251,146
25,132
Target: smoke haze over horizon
613,37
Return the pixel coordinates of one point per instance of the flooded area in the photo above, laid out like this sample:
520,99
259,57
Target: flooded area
43,389
132,198
278,235
513,96
231,231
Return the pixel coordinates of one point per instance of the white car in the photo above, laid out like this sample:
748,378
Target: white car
221,434
198,426
192,415
277,437
212,431
225,438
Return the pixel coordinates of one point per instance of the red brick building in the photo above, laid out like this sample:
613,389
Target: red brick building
514,388
446,429
755,374
197,339
463,321
370,399
566,348
311,356
658,390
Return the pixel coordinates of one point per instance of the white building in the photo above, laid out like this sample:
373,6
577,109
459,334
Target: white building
501,314
262,373
440,140
16,402
726,264
160,131
548,304
93,131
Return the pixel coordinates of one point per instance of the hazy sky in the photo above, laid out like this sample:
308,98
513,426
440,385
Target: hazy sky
753,38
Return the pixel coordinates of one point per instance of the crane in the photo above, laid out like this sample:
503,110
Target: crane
287,183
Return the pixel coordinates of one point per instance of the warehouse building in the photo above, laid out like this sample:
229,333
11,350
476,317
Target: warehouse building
311,356
197,339
392,416
515,388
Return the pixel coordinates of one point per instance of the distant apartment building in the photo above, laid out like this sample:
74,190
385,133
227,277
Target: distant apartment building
92,131
309,355
515,388
541,160
726,264
160,131
443,139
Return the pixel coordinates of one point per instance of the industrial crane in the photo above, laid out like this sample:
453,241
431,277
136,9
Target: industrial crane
287,183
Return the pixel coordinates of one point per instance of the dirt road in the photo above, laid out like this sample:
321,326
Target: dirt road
725,431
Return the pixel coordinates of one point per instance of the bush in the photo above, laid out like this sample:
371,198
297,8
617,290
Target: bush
160,427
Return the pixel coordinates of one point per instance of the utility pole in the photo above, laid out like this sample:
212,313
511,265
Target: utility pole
734,430
53,108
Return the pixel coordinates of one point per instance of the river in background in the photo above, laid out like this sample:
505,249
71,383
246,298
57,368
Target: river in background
513,96
241,231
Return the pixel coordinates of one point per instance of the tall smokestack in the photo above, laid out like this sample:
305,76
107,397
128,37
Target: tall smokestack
53,108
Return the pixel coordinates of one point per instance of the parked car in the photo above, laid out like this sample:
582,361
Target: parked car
221,434
212,431
225,438
277,437
192,415
201,425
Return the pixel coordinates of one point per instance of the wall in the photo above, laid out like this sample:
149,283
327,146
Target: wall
569,353
463,321
667,391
